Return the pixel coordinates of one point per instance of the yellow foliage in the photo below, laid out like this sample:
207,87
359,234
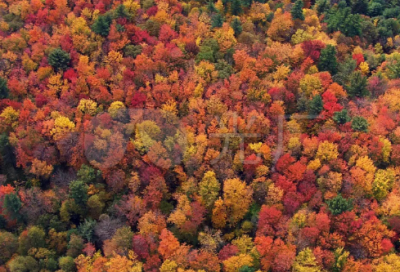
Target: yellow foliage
62,126
364,68
115,108
87,106
41,168
233,264
310,85
281,72
327,151
237,199
389,263
9,117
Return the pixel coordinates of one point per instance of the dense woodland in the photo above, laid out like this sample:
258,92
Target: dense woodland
174,135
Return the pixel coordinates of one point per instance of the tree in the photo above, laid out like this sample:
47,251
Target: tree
102,25
327,60
341,117
209,189
237,199
8,246
316,105
67,264
306,262
23,264
78,191
59,59
358,85
359,124
236,7
339,205
12,205
383,183
237,26
217,21
297,10
4,91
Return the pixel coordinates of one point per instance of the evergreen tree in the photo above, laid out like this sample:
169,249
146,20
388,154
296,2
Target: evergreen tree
359,124
121,12
102,25
59,59
3,88
297,10
327,60
316,105
236,7
358,85
339,205
217,20
211,7
12,205
341,117
78,191
237,26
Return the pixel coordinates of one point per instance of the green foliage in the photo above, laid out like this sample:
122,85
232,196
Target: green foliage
343,20
211,7
339,205
297,10
12,205
86,229
59,59
67,264
153,27
247,269
23,264
88,174
316,105
345,70
4,91
341,117
217,20
78,191
102,25
237,26
236,7
359,124
358,85
8,246
121,12
224,69
132,50
327,60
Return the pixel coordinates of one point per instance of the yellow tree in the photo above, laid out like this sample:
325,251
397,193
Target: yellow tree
237,199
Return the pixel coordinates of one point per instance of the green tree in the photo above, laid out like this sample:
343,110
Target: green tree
236,7
87,174
23,264
59,59
341,117
86,229
67,264
327,60
102,25
211,7
121,12
359,124
217,20
4,91
12,205
237,26
132,50
78,191
339,205
358,85
8,246
316,105
297,10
